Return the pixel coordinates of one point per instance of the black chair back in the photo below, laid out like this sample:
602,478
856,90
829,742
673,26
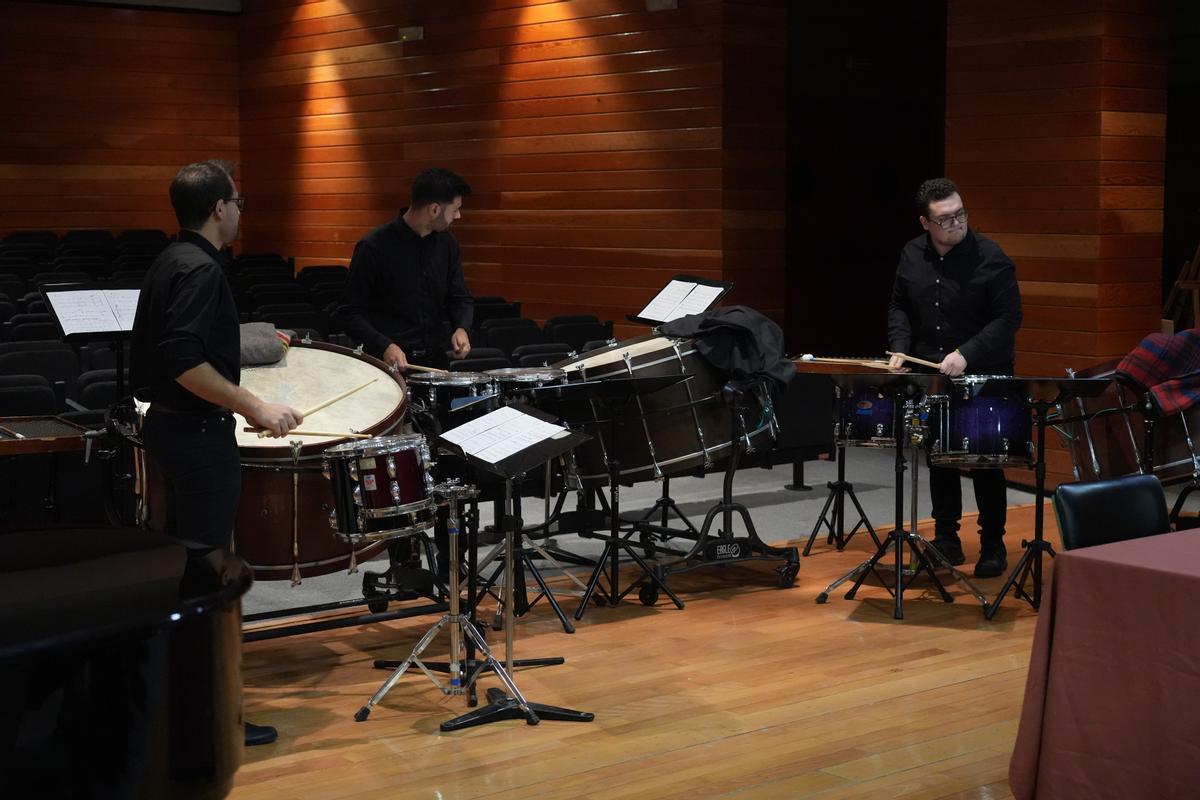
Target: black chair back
479,364
1112,510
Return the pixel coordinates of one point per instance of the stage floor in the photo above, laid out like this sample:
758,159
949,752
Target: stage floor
751,691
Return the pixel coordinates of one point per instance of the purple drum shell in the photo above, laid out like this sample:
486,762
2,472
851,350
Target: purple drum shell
982,432
866,419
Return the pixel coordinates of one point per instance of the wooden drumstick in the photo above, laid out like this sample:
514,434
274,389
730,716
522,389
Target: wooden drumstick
263,434
808,358
299,432
419,368
915,360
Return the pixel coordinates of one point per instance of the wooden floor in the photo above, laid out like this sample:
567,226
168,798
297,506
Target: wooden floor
751,691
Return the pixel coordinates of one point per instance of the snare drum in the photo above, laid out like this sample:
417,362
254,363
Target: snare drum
382,488
865,419
282,526
683,427
975,432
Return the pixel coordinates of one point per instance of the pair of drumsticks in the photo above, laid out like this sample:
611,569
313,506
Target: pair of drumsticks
262,434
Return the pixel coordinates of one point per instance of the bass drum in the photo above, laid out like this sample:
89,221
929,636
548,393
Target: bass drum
283,523
1111,441
673,431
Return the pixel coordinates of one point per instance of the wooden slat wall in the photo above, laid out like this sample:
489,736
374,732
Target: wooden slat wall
591,132
101,108
1055,123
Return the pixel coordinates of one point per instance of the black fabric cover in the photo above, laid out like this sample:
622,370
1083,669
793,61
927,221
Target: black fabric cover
738,340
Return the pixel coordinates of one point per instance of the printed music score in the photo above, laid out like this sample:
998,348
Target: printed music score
500,434
93,310
679,299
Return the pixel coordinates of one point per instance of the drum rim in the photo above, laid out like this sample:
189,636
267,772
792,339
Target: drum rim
448,379
281,454
392,533
370,447
567,364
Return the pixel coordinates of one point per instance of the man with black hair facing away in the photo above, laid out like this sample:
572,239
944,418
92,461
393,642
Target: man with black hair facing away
186,361
406,290
956,302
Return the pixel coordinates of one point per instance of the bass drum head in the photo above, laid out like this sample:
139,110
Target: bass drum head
311,374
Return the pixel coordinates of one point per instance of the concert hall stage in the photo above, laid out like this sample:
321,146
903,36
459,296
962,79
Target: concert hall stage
751,691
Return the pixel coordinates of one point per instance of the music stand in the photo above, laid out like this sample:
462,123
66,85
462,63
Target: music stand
95,312
508,446
682,296
1041,395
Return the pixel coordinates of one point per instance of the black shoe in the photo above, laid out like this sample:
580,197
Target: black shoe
259,734
993,558
950,548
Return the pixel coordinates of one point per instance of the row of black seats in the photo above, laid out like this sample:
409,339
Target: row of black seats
77,380
97,253
572,330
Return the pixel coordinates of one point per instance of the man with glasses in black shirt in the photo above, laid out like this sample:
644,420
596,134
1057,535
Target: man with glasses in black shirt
186,362
956,302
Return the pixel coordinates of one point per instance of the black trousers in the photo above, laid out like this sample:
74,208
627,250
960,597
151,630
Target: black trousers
196,458
945,494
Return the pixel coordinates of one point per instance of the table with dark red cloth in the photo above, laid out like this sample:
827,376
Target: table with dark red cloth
1112,703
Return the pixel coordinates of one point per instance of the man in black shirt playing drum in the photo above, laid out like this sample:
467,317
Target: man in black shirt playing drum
186,361
956,302
406,284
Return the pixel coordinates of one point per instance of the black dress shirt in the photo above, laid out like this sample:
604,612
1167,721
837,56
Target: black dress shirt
966,300
185,316
403,289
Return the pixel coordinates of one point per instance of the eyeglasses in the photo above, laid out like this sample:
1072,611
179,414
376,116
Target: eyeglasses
240,202
945,223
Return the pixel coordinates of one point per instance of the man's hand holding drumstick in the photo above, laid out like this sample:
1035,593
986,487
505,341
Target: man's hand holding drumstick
952,365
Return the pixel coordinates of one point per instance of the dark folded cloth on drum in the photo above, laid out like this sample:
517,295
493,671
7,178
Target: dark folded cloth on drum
262,344
1167,366
738,340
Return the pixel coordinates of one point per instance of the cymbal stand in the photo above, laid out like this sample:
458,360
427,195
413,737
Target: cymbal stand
835,523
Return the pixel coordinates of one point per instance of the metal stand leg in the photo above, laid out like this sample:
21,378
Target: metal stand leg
501,706
839,490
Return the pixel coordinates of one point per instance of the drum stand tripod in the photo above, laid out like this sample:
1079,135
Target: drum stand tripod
839,490
906,427
501,706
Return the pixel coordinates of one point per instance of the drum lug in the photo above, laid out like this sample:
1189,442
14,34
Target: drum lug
358,351
395,489
1004,443
325,470
333,519
358,501
628,362
353,469
307,338
966,444
296,445
391,466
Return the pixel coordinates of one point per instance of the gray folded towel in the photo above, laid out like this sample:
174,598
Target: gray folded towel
261,344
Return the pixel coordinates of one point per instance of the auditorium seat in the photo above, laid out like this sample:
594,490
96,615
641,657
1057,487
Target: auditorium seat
59,367
26,395
479,364
537,355
576,333
509,338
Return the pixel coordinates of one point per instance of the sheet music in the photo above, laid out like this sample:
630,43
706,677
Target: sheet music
94,310
500,434
124,305
679,299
